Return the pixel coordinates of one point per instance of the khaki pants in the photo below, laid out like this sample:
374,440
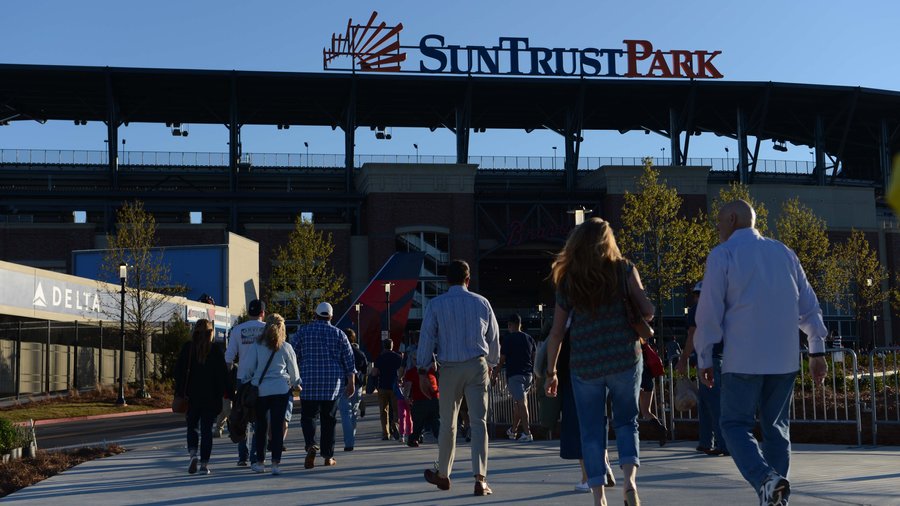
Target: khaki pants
387,402
470,379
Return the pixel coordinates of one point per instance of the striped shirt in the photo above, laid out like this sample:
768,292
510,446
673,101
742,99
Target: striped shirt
459,326
325,358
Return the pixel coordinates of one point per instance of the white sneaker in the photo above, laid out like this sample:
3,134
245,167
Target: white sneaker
258,468
774,491
275,470
582,487
525,437
510,433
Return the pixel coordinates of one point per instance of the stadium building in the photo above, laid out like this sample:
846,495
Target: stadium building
505,215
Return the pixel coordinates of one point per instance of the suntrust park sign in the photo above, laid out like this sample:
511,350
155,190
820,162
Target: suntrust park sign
375,47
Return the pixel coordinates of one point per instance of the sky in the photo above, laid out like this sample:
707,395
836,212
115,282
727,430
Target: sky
798,41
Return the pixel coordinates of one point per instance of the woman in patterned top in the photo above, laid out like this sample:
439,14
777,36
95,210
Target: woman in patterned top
606,354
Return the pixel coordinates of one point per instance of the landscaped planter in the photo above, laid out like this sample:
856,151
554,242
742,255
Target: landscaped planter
30,451
16,453
5,458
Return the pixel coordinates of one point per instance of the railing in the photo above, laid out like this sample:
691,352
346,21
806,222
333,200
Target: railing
286,160
885,388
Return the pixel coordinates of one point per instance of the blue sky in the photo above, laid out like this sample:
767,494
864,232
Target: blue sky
799,41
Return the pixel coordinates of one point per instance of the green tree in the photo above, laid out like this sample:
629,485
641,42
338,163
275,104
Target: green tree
168,345
860,266
738,191
667,248
800,229
302,275
148,283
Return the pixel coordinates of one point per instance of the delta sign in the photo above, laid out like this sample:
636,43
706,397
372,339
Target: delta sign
375,47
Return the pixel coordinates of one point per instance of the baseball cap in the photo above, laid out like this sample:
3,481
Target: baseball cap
324,309
256,307
698,286
514,318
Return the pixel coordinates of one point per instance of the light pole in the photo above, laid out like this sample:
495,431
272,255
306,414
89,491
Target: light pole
541,313
387,301
579,213
662,158
358,306
727,159
123,274
554,157
306,145
874,327
417,152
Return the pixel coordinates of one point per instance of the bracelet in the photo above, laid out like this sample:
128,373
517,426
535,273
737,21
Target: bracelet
816,355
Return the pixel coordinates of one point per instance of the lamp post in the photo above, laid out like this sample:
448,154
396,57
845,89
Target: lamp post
541,313
387,301
123,275
579,213
727,158
306,145
662,158
358,306
417,152
554,157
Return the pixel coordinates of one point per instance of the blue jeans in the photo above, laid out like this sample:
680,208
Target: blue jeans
710,410
590,401
349,415
742,396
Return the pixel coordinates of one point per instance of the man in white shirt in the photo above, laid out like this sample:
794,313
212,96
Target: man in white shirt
755,295
240,339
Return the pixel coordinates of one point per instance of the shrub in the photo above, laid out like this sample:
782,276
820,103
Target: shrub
9,436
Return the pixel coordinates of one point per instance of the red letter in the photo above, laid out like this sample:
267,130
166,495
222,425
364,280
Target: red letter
681,61
634,57
659,63
705,64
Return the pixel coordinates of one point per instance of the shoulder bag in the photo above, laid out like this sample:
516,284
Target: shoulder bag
637,322
180,403
251,392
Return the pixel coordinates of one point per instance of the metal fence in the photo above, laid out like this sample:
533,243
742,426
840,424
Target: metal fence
45,357
199,159
884,381
841,400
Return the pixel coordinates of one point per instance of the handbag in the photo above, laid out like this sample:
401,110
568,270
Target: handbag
637,322
686,395
652,361
181,403
251,392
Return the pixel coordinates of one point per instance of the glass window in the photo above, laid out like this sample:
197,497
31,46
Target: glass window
433,277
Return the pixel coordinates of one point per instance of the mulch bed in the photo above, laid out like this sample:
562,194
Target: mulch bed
16,475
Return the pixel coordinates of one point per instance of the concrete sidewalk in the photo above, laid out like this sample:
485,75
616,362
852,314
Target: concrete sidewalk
387,473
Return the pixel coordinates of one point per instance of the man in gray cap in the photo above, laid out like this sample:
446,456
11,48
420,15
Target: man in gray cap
240,339
326,365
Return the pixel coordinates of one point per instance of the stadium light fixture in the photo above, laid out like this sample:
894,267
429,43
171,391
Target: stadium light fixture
779,145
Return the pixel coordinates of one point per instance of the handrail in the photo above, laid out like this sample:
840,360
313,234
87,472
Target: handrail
883,351
336,160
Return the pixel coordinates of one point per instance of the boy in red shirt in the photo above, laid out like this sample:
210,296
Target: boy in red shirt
425,408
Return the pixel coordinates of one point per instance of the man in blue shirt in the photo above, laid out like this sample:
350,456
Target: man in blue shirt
517,353
755,295
326,364
710,441
387,367
461,328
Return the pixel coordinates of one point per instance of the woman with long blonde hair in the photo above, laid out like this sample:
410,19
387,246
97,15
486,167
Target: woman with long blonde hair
590,275
200,376
274,370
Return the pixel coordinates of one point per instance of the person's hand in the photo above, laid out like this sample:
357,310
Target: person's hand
682,366
818,368
350,389
551,384
706,377
425,386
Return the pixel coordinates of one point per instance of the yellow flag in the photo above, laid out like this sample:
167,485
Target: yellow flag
893,193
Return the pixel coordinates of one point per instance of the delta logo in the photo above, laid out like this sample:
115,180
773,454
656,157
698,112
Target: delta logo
375,47
66,298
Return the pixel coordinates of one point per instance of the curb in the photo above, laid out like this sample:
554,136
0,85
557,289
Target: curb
53,421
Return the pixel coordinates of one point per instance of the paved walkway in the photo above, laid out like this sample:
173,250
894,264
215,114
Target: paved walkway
386,473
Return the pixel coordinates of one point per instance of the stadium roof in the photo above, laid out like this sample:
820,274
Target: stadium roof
855,121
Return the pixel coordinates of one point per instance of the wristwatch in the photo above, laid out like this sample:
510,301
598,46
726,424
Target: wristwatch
816,355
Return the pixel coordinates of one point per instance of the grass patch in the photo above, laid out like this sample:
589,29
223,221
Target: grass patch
25,472
100,401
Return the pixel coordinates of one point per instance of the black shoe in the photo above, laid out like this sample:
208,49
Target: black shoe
242,463
662,432
348,448
412,443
